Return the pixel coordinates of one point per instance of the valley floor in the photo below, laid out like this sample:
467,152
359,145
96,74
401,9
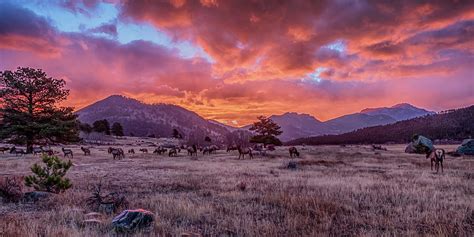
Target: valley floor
338,191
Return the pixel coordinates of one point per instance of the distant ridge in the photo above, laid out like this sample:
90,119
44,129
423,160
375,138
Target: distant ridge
141,119
295,125
456,125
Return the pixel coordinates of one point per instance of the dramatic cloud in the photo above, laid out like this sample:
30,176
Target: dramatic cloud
326,58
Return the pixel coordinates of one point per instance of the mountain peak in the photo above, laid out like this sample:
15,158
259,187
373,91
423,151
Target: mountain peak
403,106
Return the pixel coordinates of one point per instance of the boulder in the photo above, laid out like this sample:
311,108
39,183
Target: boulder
132,220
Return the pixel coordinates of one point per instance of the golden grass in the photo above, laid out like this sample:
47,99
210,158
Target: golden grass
337,191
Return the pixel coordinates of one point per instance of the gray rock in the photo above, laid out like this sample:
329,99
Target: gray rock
131,220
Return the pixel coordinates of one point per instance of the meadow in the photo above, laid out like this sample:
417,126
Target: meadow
334,191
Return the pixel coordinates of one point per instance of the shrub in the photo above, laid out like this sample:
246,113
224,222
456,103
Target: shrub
11,189
50,178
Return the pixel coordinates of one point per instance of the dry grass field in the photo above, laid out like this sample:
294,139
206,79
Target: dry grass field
336,191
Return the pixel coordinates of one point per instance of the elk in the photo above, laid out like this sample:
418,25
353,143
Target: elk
17,151
131,151
294,151
144,150
160,150
116,153
209,149
87,151
173,152
244,151
67,152
48,151
436,156
192,150
37,150
231,148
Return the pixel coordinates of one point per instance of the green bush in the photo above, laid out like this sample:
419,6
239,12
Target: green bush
50,178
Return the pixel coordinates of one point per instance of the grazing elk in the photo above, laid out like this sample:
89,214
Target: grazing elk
378,147
67,152
47,151
192,150
245,151
437,157
144,150
17,151
294,151
87,151
160,150
116,153
173,152
131,151
209,149
231,148
37,150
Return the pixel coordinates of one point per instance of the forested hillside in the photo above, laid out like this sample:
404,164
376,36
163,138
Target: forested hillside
456,125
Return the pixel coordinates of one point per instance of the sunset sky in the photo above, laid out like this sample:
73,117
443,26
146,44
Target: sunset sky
232,60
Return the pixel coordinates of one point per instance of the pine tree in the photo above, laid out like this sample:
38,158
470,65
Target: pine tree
117,129
176,134
266,130
50,178
101,126
29,111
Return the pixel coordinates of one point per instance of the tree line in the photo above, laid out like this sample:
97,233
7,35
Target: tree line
453,125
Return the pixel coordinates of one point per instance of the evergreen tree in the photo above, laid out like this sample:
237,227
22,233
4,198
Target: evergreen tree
177,134
117,129
29,111
101,126
85,127
50,178
266,130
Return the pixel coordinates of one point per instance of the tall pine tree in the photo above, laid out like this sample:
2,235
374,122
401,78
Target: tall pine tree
29,109
267,131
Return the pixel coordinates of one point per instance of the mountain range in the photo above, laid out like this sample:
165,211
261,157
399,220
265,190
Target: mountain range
141,119
296,125
449,125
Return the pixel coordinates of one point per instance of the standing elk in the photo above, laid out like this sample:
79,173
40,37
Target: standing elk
17,151
87,151
209,149
231,148
67,152
116,153
47,151
192,150
245,151
37,150
173,152
437,157
160,150
294,151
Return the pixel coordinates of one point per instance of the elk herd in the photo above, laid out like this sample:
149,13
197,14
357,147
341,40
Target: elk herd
436,156
118,153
